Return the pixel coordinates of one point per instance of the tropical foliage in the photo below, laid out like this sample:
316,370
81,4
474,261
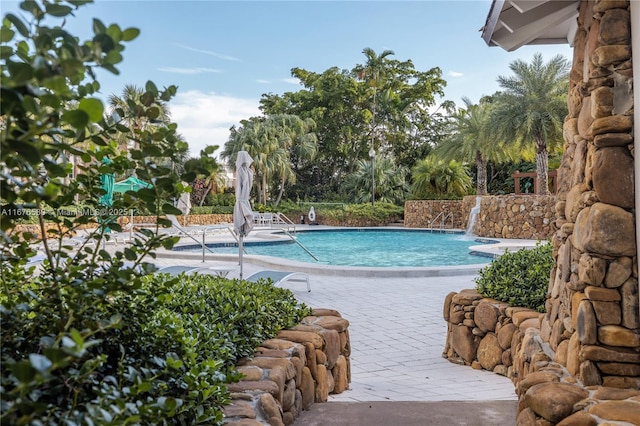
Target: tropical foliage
519,278
92,336
383,103
277,144
159,351
531,109
362,214
389,182
436,178
472,139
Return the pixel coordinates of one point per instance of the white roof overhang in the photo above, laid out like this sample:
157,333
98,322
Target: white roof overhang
514,23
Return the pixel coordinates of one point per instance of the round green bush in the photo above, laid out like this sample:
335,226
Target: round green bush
519,278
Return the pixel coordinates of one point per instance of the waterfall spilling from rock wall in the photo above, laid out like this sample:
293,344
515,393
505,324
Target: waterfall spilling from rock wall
473,216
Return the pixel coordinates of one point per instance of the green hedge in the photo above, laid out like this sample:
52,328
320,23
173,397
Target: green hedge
153,350
211,210
519,278
381,213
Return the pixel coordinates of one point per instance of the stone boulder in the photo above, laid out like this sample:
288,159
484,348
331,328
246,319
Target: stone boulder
613,167
464,342
605,229
554,401
489,352
486,316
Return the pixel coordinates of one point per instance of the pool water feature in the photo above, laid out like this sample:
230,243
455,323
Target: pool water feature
368,247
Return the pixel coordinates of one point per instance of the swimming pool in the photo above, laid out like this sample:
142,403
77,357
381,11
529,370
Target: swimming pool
366,247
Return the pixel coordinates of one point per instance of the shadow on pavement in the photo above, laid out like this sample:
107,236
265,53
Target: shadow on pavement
437,413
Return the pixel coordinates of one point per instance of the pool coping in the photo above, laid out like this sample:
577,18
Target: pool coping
260,234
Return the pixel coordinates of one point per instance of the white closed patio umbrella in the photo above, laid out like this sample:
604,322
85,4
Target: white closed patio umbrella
242,213
184,205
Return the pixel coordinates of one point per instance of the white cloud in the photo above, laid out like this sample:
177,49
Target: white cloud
262,81
291,80
207,52
455,74
205,118
189,71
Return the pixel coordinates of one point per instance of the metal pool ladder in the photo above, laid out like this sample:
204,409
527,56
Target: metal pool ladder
295,240
443,220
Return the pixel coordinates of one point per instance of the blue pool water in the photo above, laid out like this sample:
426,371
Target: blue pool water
369,247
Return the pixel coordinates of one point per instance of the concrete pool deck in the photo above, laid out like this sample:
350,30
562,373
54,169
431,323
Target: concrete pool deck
397,336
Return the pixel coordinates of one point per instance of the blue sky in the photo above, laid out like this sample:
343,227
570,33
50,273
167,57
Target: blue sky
223,55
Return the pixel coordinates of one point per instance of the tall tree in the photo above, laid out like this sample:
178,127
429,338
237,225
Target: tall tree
532,107
390,183
271,141
471,139
375,69
432,176
129,104
341,103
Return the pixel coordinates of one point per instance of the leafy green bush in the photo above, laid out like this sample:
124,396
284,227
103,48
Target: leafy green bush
212,210
89,340
156,351
519,278
382,213
224,199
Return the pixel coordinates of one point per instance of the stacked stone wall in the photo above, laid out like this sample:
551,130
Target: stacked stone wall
579,363
592,321
516,216
286,375
431,214
192,219
503,216
487,334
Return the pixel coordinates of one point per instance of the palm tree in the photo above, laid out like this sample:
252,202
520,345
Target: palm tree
297,137
371,72
433,176
532,107
270,142
129,103
215,179
390,181
471,139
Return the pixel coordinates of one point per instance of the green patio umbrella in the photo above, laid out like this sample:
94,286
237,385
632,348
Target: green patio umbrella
107,183
131,183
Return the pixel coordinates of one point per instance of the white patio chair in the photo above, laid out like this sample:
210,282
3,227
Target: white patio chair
176,270
267,218
279,277
257,218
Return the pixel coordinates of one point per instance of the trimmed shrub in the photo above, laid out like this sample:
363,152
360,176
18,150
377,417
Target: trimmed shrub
349,214
157,350
211,210
519,278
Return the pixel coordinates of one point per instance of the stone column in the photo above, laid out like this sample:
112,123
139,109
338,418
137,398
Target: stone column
592,319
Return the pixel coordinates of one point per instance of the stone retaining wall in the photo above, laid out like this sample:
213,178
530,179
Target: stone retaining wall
517,216
288,374
192,220
501,216
423,213
488,334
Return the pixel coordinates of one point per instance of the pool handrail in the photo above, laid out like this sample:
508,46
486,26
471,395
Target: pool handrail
295,240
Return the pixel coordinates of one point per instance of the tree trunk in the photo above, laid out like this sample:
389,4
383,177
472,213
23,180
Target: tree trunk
264,189
481,165
206,192
542,166
280,193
